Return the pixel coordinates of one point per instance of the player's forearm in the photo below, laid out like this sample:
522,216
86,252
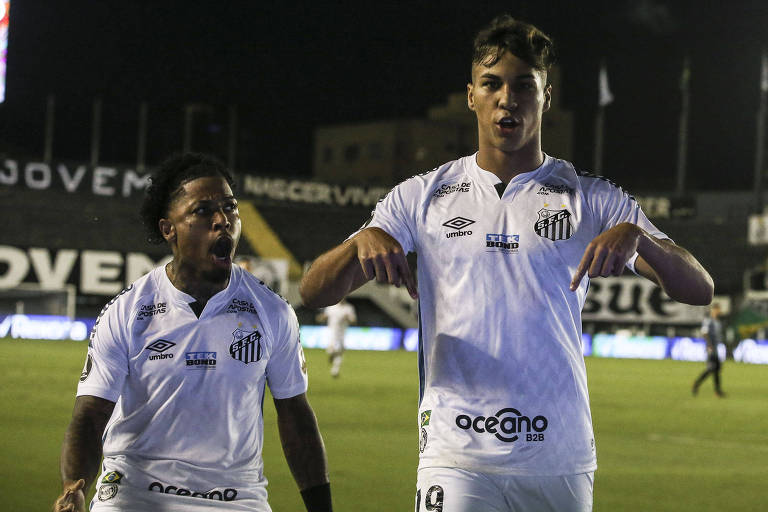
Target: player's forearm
681,276
332,276
81,451
304,451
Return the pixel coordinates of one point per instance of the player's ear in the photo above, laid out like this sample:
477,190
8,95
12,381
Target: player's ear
547,98
167,229
470,97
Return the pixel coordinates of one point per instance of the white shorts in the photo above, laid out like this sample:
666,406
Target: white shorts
457,490
123,498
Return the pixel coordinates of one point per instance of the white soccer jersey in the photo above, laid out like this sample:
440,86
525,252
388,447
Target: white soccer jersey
189,391
503,381
339,317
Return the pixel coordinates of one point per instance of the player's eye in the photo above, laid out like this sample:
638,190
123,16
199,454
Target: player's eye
526,86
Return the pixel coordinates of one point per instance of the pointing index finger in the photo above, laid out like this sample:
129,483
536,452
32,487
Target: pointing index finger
581,270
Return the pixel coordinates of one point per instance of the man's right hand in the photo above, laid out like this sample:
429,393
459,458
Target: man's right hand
382,257
72,499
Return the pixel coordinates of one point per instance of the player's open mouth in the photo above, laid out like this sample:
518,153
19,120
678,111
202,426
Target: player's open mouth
222,249
508,123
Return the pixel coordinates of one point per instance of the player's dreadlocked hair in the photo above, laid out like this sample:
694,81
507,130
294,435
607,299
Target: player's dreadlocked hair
166,183
523,40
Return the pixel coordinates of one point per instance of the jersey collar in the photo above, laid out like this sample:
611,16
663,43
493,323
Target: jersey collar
488,178
179,296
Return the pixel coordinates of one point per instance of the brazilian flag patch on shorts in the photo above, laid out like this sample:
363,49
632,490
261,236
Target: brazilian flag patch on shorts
113,477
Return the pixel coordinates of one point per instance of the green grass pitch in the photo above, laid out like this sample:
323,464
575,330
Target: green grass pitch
659,448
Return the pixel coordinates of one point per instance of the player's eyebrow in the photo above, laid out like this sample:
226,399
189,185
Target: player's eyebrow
525,76
206,202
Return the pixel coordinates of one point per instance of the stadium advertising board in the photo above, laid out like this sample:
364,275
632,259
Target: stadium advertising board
100,272
311,192
357,338
45,327
691,349
633,347
125,182
635,300
73,178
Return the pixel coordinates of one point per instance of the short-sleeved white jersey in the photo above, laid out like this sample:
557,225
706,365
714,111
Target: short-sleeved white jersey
339,316
189,391
503,381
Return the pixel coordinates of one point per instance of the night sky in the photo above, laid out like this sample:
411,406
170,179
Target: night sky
290,67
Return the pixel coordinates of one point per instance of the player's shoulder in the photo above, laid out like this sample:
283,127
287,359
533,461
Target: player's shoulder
429,182
251,287
597,183
132,296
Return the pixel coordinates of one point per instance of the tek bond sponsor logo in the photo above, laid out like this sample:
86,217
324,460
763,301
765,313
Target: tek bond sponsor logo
200,360
507,425
228,494
498,242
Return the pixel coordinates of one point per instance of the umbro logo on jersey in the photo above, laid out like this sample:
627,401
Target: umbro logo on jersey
246,346
554,224
458,223
507,425
160,346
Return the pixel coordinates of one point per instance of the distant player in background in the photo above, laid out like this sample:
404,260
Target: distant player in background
338,317
173,386
504,239
712,330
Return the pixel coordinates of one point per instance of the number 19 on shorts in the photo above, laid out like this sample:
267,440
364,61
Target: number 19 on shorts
433,499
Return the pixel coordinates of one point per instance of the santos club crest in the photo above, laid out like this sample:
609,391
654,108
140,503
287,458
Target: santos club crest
246,346
554,224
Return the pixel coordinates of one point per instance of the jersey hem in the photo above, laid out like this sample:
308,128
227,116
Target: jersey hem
288,394
515,471
98,393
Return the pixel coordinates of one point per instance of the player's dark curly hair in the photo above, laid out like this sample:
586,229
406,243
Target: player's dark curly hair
521,39
165,183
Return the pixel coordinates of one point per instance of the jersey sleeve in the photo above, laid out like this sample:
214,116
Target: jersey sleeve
612,205
287,368
395,213
106,364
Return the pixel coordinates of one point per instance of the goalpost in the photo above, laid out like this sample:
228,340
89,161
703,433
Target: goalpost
32,299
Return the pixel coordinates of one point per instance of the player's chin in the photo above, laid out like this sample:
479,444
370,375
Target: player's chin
218,272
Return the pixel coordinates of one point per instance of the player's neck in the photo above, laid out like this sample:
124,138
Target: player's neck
191,282
508,164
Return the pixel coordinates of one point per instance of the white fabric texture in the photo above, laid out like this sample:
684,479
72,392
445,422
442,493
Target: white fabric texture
503,381
189,391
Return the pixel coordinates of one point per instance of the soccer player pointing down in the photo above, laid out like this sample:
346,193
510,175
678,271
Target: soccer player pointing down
507,240
177,366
